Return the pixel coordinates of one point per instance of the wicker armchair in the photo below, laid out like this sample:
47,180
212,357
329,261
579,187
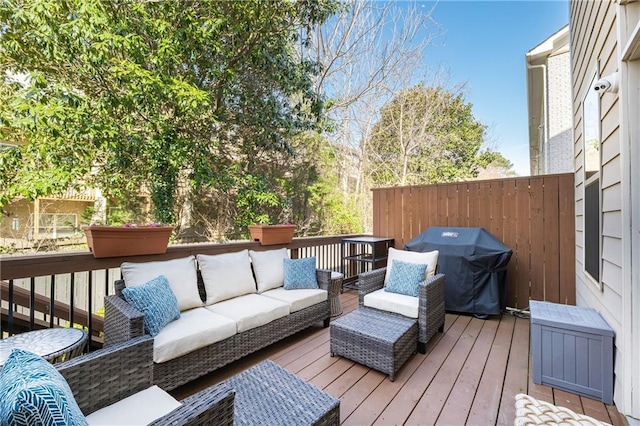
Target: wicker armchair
431,302
108,375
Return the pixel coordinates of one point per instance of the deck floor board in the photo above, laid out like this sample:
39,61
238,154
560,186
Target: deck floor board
469,375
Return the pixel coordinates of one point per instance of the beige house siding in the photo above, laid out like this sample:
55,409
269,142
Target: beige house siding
24,212
592,25
599,31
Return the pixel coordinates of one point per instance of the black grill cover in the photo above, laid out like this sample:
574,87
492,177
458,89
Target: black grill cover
474,263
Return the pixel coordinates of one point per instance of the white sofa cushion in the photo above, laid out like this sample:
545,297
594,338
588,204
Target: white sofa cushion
226,275
251,310
268,268
298,299
181,274
392,302
140,408
194,329
429,258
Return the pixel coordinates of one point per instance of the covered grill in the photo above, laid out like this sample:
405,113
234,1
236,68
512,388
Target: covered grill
474,263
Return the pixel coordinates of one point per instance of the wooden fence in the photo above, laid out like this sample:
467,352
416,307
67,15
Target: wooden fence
534,216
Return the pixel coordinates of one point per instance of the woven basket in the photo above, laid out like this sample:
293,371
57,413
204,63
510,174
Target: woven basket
530,411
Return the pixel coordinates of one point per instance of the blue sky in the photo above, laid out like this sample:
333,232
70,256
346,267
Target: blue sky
484,44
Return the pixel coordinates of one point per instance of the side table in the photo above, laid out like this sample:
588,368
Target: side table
334,293
362,254
53,344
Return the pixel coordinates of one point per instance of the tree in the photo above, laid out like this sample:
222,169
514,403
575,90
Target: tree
426,135
368,51
494,166
124,95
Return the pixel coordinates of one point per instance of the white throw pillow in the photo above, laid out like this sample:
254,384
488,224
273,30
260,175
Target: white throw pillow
430,258
181,274
226,275
268,268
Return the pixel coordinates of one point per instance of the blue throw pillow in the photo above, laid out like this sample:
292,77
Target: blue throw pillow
33,392
300,273
405,277
156,301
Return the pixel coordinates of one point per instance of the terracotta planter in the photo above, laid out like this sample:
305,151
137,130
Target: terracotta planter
112,241
272,234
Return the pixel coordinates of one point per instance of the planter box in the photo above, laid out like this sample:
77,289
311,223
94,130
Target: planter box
272,234
111,241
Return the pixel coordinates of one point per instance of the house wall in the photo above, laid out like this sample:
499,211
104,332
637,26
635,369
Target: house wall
23,211
596,43
20,210
559,152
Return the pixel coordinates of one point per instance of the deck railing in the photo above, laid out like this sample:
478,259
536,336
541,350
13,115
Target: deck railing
60,289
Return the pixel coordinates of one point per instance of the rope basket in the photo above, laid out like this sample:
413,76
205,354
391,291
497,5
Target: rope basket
530,411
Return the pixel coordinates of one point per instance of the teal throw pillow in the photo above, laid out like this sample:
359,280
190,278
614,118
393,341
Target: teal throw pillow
300,273
33,392
156,301
405,277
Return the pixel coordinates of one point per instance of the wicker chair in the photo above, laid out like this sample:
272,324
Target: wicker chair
108,375
431,302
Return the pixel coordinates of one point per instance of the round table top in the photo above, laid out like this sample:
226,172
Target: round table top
47,343
336,275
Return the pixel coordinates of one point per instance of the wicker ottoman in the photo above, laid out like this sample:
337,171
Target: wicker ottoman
267,394
377,339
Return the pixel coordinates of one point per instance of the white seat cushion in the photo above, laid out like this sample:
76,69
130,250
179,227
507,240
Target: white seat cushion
194,329
140,408
298,299
251,310
429,258
181,274
268,268
392,302
226,275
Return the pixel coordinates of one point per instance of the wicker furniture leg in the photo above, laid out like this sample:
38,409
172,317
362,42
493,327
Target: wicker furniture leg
334,293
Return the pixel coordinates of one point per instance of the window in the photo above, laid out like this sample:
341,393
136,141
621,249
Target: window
57,225
591,151
15,224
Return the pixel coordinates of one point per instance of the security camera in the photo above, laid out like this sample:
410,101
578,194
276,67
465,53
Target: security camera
608,83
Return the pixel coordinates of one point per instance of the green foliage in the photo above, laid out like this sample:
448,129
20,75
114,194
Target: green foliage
494,158
130,95
425,135
334,211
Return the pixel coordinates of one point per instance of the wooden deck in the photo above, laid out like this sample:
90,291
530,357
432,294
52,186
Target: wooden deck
470,375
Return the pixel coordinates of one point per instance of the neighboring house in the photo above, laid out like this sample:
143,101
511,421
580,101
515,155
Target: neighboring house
549,105
605,42
25,223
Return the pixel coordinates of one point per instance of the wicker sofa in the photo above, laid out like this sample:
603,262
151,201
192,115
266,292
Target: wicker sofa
123,322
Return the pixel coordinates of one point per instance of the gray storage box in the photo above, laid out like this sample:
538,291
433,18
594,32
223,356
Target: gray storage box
572,349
